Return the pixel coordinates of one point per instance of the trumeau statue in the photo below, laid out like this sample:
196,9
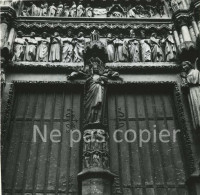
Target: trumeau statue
19,47
157,53
192,78
55,48
121,49
110,47
67,48
79,47
43,49
31,46
134,48
145,47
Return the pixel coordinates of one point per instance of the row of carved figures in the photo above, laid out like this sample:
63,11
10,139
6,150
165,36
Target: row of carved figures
71,49
64,10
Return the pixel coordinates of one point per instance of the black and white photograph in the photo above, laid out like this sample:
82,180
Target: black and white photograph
100,97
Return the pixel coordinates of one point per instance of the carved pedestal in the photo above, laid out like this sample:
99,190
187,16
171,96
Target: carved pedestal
95,177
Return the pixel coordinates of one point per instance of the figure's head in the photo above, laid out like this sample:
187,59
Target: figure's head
154,34
56,34
186,65
80,34
19,33
121,36
53,4
132,33
46,4
44,35
109,35
142,33
32,34
69,33
88,5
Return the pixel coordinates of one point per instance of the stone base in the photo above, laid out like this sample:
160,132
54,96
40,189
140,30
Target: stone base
96,181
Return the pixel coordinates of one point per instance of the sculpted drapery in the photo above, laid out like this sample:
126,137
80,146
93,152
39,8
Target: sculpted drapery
43,49
110,48
67,49
79,47
193,80
30,53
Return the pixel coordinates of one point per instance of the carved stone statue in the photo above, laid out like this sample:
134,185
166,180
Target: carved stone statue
96,160
80,10
73,9
44,9
157,53
30,53
110,48
89,11
25,11
52,10
43,49
134,48
79,47
145,48
55,48
59,10
193,80
121,49
19,47
34,11
66,10
67,48
170,48
132,13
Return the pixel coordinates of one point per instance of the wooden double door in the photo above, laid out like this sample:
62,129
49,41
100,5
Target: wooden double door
51,167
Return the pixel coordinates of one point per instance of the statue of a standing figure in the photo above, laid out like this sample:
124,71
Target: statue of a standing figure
134,48
43,49
192,78
66,11
34,10
67,49
80,10
59,10
52,10
110,48
79,47
170,48
156,49
55,48
73,9
121,49
30,53
44,9
19,47
145,48
89,11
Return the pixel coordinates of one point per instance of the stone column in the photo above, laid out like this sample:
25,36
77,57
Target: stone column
11,38
192,33
181,37
176,37
195,27
3,33
185,33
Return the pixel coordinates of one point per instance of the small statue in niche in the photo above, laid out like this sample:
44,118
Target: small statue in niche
19,47
89,11
67,48
192,78
66,10
105,161
160,8
43,49
44,9
134,48
30,53
87,160
170,48
132,13
156,49
79,47
110,47
145,48
52,10
59,10
121,49
80,10
73,9
96,159
55,48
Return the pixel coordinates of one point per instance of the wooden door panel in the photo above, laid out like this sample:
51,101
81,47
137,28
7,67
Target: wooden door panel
42,167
